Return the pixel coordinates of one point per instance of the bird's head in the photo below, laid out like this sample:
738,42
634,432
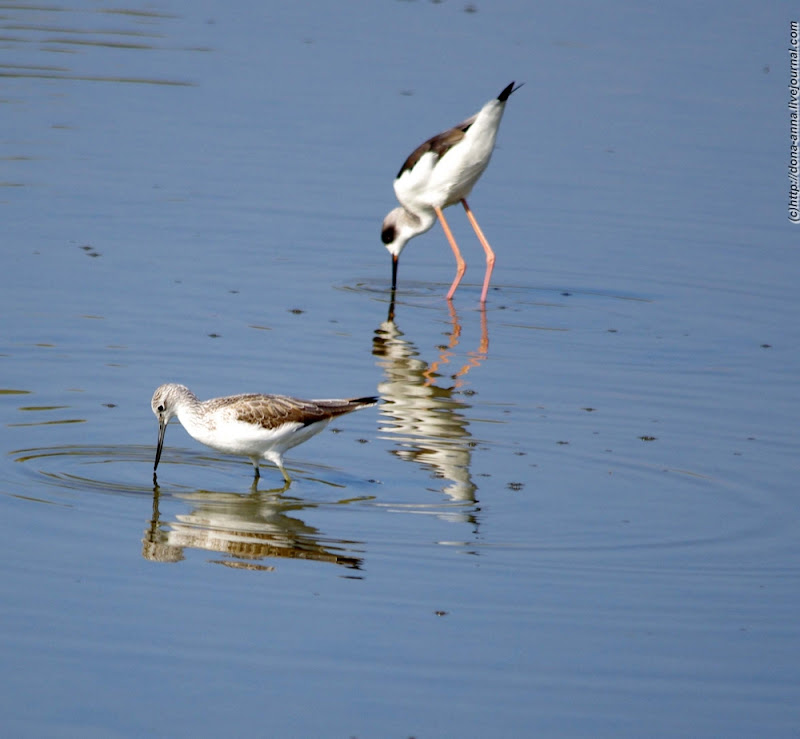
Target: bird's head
164,404
399,227
397,230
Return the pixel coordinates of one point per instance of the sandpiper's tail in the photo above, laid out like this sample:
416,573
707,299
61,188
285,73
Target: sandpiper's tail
338,407
365,402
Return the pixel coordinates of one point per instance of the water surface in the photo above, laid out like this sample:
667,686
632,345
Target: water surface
573,514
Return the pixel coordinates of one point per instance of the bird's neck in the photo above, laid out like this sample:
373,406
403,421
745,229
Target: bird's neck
189,409
419,219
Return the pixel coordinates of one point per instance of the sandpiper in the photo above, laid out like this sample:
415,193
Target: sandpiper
254,425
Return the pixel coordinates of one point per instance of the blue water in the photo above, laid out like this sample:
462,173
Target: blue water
574,514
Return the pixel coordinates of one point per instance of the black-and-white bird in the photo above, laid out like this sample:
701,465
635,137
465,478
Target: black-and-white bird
442,172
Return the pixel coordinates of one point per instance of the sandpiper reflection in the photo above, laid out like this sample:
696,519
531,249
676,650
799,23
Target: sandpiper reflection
426,418
245,528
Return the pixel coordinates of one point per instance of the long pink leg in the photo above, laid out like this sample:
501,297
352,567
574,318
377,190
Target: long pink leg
486,248
445,354
461,265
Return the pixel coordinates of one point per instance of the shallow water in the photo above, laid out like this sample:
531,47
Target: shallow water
573,514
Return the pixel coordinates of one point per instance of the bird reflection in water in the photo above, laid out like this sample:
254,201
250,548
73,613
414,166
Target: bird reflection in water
426,419
245,528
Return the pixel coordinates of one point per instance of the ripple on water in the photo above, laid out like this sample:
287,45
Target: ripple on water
432,294
245,528
631,525
118,470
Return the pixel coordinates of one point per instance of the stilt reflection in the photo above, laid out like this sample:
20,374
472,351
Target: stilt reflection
423,411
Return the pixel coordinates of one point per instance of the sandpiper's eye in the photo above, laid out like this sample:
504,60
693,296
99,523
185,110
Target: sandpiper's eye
161,409
387,235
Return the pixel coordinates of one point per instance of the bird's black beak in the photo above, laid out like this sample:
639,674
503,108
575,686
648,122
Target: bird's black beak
162,427
394,272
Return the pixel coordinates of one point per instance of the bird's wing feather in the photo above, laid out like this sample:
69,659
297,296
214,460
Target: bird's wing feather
439,144
272,411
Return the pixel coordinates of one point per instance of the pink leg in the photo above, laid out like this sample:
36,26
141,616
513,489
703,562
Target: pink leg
486,248
445,354
461,265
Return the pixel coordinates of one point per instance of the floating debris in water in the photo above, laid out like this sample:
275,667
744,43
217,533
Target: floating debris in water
90,250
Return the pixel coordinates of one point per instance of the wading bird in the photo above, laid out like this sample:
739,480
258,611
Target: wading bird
439,173
254,426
